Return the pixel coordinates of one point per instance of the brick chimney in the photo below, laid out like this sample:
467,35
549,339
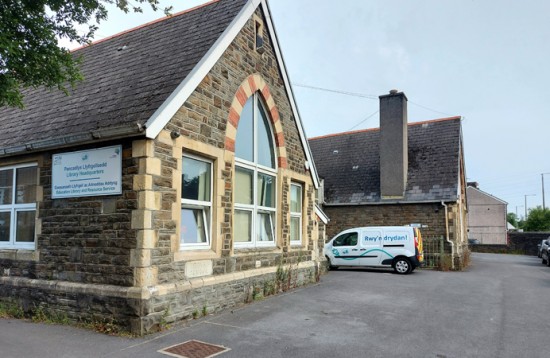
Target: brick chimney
393,145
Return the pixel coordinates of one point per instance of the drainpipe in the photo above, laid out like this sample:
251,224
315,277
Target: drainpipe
447,235
459,250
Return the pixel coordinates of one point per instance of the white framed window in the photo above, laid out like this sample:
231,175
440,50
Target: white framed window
196,203
255,178
18,206
295,213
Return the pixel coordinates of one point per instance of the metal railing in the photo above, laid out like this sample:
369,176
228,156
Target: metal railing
434,252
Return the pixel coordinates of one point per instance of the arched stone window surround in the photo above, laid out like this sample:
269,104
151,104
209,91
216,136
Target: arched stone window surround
247,88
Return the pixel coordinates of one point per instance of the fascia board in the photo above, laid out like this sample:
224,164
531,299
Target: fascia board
177,98
294,107
321,214
487,195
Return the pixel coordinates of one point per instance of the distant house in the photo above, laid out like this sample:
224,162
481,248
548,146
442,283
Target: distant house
176,176
400,174
486,217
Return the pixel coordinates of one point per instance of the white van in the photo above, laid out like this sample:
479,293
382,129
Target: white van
399,247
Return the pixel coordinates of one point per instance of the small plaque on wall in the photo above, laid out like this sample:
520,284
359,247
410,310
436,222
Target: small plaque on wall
199,268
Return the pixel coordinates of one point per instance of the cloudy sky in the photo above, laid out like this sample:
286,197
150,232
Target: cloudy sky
479,59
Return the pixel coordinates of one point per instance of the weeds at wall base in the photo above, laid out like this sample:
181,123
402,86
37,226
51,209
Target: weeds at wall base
39,314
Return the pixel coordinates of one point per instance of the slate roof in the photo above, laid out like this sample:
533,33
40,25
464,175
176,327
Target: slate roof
122,87
349,163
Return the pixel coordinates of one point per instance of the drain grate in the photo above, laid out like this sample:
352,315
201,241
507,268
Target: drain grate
194,349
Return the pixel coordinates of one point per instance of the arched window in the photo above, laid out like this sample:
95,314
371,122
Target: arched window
255,178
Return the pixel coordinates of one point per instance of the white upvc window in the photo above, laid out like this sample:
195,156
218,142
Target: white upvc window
296,213
196,203
18,206
255,176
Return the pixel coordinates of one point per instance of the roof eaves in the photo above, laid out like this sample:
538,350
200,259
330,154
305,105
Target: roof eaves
95,136
487,194
394,202
321,214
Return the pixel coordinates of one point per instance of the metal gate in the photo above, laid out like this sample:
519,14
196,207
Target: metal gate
434,252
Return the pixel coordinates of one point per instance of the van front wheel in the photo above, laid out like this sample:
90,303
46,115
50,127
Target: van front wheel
330,267
402,266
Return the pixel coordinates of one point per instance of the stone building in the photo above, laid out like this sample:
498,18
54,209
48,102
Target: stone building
487,221
176,176
401,174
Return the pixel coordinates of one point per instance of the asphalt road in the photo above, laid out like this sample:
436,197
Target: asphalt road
494,309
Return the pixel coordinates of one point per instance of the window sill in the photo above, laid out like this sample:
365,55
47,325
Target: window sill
19,254
195,254
254,250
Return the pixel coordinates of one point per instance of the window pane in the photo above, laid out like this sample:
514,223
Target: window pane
244,143
243,226
243,185
265,227
295,199
26,185
295,228
6,186
5,221
193,228
196,179
349,239
265,140
266,190
25,226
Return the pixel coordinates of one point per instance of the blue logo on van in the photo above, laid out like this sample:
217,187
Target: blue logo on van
337,255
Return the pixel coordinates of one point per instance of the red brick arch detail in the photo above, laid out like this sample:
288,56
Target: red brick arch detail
252,84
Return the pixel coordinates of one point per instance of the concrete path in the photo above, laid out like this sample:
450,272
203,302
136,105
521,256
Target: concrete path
494,309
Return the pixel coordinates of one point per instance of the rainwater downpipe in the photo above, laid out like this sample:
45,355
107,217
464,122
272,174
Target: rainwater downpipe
447,235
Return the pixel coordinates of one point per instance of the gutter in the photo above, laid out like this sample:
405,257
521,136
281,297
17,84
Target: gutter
100,135
447,235
388,202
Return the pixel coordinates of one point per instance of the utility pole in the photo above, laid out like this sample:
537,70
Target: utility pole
526,195
543,203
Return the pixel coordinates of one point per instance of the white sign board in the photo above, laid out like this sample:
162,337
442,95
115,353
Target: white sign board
87,173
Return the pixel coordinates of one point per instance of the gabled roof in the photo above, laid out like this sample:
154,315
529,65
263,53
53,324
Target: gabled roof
136,81
349,163
472,190
126,78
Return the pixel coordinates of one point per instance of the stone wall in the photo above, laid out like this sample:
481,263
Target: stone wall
524,243
86,239
146,311
207,123
345,217
204,116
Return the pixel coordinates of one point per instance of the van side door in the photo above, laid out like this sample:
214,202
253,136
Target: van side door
345,249
398,242
371,242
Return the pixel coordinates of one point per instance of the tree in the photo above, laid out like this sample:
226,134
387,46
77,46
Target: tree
538,219
29,33
512,219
